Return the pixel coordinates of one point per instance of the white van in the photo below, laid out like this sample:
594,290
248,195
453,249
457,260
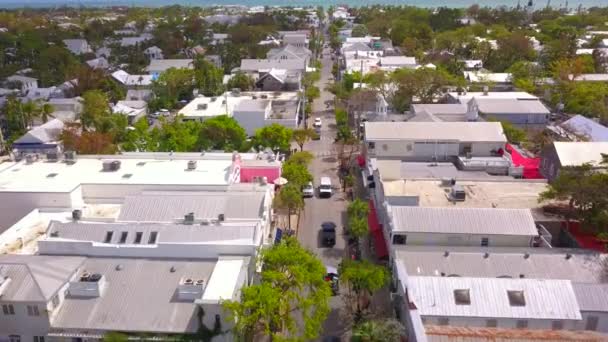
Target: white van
325,187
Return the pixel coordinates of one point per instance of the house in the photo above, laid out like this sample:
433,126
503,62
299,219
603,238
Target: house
526,113
66,109
299,40
154,52
279,80
464,96
98,63
219,38
103,52
254,66
139,95
23,83
396,62
413,225
433,141
133,81
41,139
158,66
44,94
585,128
290,52
498,80
134,41
568,154
438,112
222,19
77,46
134,110
473,64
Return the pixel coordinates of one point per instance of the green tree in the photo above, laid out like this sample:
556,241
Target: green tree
290,302
289,198
513,134
53,65
275,136
424,83
31,111
387,330
171,86
222,133
296,173
95,107
115,337
208,78
301,158
356,213
302,136
359,31
363,279
46,112
241,81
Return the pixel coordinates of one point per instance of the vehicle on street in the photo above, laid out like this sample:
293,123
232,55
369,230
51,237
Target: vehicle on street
328,234
325,187
333,279
318,134
317,122
308,190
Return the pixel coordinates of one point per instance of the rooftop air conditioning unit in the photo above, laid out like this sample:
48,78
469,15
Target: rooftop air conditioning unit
76,214
106,165
69,156
188,281
254,97
200,282
192,165
30,158
189,218
213,99
236,92
115,165
52,156
204,222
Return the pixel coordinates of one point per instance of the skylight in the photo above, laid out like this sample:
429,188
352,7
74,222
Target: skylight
516,298
462,297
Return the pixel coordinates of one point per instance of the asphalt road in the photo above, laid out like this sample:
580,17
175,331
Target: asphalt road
318,210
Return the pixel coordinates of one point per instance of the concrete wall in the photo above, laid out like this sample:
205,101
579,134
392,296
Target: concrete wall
430,239
21,323
549,163
508,323
427,151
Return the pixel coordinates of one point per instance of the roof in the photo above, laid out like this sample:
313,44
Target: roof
139,296
390,169
397,61
581,125
36,278
544,299
166,233
592,297
479,76
428,131
267,64
448,333
592,77
467,96
440,108
22,79
252,105
203,106
171,206
77,46
580,152
161,65
46,133
485,221
295,52
131,80
535,263
510,106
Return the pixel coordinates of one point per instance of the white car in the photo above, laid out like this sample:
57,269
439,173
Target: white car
317,122
308,190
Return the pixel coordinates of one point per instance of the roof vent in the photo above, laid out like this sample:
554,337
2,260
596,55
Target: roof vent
54,233
172,269
486,255
516,298
188,281
191,165
568,256
199,282
119,267
446,254
526,255
204,222
189,218
76,214
221,217
462,297
85,276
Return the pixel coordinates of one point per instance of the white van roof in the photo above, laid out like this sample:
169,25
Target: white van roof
325,181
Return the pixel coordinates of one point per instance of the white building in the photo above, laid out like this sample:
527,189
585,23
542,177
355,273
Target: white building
154,52
26,84
77,46
133,110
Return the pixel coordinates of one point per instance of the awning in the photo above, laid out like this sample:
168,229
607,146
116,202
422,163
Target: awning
375,229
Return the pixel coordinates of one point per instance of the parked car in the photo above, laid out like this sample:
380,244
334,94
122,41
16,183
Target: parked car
333,279
308,190
318,122
328,234
318,133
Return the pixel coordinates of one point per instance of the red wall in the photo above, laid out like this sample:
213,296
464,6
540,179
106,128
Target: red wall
271,173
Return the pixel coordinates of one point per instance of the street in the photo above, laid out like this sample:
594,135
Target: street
318,210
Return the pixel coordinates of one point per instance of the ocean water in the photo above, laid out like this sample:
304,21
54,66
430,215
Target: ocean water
297,3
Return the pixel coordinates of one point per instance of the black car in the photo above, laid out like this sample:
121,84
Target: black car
333,280
328,234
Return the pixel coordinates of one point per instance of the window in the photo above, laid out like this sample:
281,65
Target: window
152,239
108,238
516,298
485,242
38,338
55,301
8,309
462,297
491,323
399,239
467,148
123,237
14,338
443,321
522,324
32,310
557,325
138,237
591,323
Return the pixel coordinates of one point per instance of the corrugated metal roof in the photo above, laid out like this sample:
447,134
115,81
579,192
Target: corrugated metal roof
139,297
580,152
36,278
540,263
586,127
544,299
489,221
432,131
592,297
166,233
510,106
168,207
477,334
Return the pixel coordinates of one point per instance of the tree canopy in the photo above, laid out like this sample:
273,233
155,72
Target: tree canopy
274,136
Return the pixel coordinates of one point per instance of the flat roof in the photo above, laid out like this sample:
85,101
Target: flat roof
580,152
486,221
464,97
227,103
510,106
536,263
390,169
141,168
432,131
479,194
544,299
223,280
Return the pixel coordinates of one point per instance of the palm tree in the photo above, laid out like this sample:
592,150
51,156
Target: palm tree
30,110
46,112
387,330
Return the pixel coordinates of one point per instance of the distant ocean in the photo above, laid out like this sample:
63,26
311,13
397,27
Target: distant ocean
296,3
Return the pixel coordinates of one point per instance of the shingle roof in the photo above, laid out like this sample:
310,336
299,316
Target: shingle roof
427,131
487,221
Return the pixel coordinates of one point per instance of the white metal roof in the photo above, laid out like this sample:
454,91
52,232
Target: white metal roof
465,97
580,152
223,280
435,131
486,221
544,299
510,106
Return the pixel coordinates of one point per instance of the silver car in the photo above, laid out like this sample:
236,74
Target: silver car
308,190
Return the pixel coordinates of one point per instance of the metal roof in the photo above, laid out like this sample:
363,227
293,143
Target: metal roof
592,297
436,131
267,64
544,299
586,127
510,106
446,333
164,64
171,206
487,221
580,152
536,263
139,296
